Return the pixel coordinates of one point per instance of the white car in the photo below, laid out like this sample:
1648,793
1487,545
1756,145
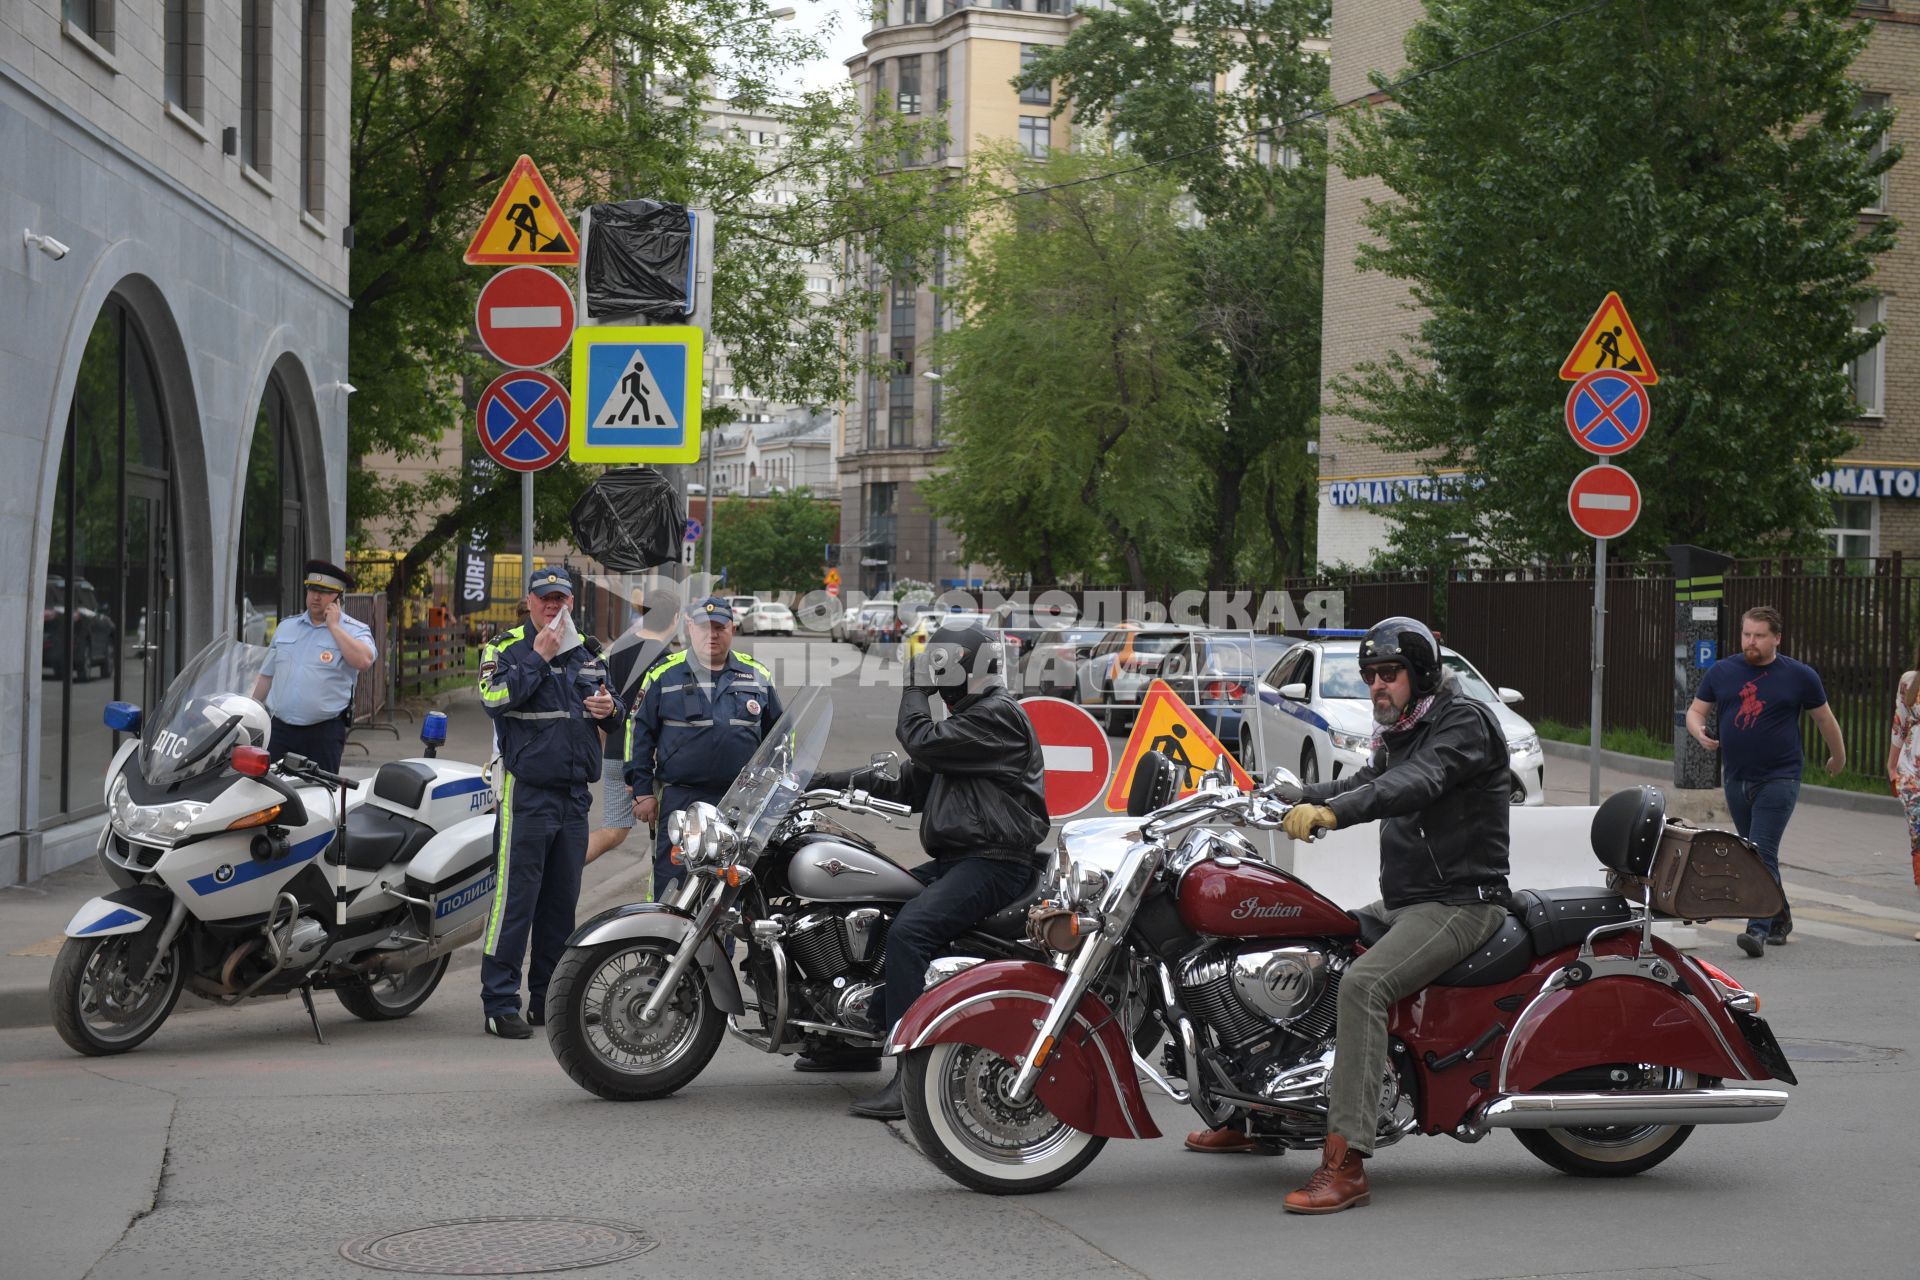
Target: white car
768,618
1315,719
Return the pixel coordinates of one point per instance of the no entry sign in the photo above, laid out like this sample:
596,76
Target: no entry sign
1607,412
525,317
523,421
1604,501
1076,753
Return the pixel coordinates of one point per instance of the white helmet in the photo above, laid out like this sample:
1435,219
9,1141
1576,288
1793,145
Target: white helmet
255,725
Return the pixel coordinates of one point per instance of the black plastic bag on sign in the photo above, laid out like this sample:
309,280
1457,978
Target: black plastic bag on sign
640,260
630,520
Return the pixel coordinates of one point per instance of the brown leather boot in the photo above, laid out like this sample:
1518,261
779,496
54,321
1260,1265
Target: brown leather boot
1222,1141
1339,1183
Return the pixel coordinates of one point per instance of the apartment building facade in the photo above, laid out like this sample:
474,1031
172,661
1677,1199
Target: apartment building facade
174,350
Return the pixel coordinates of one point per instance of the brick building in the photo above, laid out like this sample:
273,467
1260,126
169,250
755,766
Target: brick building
1367,315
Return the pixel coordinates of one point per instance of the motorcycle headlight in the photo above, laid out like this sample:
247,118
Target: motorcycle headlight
1349,741
1085,885
159,824
700,838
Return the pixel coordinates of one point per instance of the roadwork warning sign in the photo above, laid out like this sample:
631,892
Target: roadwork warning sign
1169,726
524,224
1610,342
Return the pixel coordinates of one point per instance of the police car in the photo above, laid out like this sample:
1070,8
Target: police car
1315,717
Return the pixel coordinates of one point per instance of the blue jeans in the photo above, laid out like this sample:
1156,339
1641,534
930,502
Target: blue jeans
1760,812
960,893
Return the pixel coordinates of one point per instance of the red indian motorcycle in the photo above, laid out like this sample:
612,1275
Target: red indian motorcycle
1595,1041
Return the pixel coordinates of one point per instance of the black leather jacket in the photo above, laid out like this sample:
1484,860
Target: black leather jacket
976,776
1441,791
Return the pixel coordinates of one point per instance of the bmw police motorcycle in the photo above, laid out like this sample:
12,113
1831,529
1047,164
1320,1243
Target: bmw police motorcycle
239,878
644,992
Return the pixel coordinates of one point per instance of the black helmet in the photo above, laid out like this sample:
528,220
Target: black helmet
962,658
1407,642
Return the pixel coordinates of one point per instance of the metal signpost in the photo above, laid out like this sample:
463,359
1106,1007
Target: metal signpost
1607,413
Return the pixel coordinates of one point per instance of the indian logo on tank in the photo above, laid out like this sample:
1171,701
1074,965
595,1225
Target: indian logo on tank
1250,909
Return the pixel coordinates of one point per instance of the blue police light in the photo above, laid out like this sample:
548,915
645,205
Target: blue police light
122,717
1337,633
433,728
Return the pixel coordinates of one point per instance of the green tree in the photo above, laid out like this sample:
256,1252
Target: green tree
1706,160
446,97
777,543
1216,93
1068,379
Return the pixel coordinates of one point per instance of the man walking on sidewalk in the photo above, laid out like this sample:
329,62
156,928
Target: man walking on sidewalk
1760,696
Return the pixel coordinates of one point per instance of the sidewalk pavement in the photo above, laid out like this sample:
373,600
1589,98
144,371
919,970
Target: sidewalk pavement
32,916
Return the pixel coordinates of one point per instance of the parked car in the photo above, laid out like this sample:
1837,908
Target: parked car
92,633
1315,717
1020,627
742,606
1217,673
1048,666
768,618
1114,677
877,622
914,638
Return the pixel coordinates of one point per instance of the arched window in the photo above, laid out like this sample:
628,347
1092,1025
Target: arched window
108,621
273,540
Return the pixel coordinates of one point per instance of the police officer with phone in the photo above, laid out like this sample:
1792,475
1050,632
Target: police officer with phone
307,682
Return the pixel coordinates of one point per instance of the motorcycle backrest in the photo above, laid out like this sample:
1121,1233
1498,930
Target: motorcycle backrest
1626,830
1155,782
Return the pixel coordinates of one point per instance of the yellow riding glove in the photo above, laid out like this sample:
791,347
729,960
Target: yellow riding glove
1303,818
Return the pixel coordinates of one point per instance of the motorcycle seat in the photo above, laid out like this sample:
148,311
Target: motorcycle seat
377,837
1501,958
1010,921
404,782
1559,918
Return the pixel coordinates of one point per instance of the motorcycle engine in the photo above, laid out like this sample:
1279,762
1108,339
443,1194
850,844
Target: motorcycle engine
305,941
1245,993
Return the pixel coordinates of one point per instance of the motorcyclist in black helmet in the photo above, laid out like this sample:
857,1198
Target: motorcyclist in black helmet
978,780
1439,782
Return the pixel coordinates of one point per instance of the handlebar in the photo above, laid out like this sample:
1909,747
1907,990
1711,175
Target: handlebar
298,766
855,800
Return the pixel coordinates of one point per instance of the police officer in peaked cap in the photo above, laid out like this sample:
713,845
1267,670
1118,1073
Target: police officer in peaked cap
312,664
548,698
700,717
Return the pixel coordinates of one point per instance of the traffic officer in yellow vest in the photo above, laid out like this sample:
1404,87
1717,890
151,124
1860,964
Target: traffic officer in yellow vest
700,718
547,696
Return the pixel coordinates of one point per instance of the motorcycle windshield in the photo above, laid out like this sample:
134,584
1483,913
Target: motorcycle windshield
196,722
766,790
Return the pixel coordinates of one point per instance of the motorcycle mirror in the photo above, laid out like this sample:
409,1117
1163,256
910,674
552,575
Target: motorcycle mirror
884,764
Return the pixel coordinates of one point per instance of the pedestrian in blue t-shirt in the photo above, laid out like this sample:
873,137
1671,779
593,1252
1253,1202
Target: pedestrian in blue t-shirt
1760,696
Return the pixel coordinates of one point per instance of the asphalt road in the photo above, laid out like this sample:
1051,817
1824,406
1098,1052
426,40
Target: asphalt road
232,1145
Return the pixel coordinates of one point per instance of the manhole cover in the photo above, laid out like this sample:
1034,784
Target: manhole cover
1835,1051
518,1246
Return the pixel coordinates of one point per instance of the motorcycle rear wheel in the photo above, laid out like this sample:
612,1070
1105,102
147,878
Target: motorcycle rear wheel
593,1005
1614,1151
394,996
96,1008
968,1129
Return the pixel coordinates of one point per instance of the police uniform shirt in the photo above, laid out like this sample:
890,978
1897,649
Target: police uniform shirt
693,732
312,679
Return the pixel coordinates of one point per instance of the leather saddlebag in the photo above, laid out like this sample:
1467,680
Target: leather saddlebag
1702,874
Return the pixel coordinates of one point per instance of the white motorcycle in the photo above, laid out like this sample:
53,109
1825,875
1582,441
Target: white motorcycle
239,878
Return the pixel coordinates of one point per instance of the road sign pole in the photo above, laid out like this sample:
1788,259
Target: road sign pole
526,528
1599,665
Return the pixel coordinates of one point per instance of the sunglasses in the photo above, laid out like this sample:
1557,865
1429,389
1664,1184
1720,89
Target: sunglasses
1380,675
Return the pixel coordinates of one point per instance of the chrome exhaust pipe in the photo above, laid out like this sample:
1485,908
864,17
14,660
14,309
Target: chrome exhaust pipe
1592,1110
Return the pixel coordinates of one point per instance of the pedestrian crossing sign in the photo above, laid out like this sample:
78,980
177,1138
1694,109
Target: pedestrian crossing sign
524,224
1610,342
636,394
1168,725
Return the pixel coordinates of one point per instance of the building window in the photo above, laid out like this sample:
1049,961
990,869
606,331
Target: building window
1273,154
1036,135
186,56
819,284
872,406
1053,6
1038,94
1852,534
908,97
313,108
879,86
902,308
1867,371
916,10
900,401
256,84
1869,103
91,18
272,527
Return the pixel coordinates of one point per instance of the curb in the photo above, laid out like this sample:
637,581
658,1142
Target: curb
28,1006
1662,771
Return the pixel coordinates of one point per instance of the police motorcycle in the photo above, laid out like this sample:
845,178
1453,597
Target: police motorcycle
241,878
639,1001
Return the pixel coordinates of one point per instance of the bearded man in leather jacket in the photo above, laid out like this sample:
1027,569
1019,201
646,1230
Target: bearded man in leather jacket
977,778
1439,783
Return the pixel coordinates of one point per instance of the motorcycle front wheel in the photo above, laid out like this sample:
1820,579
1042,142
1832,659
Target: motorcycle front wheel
99,1006
593,1021
961,1117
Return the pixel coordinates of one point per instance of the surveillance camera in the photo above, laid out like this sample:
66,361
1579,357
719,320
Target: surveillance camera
47,245
348,387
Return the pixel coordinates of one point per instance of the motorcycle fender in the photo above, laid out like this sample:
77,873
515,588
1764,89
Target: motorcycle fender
659,921
1624,1019
1088,1082
122,911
